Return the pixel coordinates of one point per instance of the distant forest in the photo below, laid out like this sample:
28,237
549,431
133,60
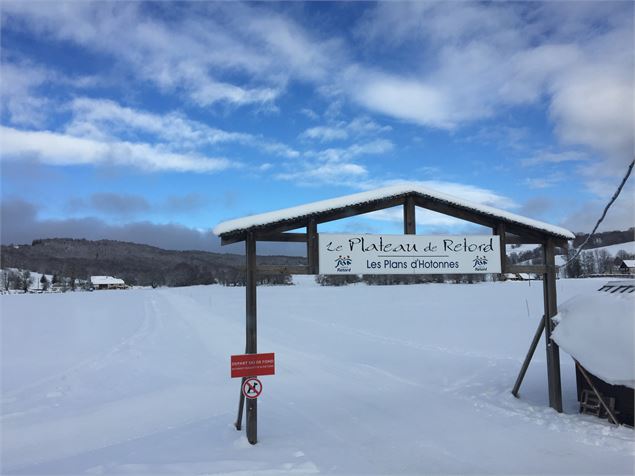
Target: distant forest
136,264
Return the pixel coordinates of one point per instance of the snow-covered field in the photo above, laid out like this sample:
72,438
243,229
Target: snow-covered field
370,380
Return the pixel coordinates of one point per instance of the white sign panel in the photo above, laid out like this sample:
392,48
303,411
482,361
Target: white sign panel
408,254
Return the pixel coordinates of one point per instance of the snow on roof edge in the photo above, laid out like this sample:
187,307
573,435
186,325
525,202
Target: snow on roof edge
106,280
597,330
262,219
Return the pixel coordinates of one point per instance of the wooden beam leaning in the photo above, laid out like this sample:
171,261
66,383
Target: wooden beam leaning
528,357
312,251
241,404
597,393
409,220
551,309
251,346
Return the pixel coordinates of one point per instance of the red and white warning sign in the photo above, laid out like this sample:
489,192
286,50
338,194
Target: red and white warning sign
252,387
251,365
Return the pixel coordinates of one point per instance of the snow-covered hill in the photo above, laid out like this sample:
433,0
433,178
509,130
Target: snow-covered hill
370,380
629,247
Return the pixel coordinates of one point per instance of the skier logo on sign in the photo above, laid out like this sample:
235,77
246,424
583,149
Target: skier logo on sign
480,263
343,263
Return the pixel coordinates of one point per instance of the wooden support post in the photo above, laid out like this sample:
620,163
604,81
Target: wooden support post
251,334
500,230
409,223
551,309
312,252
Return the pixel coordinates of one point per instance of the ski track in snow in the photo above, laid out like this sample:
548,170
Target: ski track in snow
358,389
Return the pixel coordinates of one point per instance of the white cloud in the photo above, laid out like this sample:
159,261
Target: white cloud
595,108
541,182
103,116
403,98
324,133
376,147
620,216
107,120
21,95
363,125
472,61
310,113
550,157
465,62
275,148
17,83
358,127
335,166
185,54
210,92
60,149
334,173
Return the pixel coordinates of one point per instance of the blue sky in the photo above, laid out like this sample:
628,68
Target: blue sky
152,122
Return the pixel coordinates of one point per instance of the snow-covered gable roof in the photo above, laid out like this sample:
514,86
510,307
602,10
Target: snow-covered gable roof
324,206
598,330
105,280
629,263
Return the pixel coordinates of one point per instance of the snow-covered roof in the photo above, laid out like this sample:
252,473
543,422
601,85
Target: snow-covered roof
105,280
293,213
629,263
598,330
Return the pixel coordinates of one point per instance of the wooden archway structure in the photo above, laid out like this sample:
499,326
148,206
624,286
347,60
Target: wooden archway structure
511,228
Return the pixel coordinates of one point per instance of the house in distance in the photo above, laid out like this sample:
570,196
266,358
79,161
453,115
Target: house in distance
107,282
627,266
